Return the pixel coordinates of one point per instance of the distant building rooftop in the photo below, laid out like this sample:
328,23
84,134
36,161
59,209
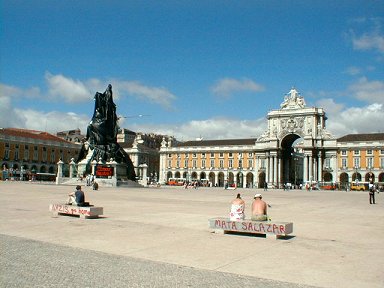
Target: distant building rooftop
362,137
34,134
224,142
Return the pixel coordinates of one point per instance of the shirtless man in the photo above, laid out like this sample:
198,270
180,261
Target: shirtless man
259,209
237,209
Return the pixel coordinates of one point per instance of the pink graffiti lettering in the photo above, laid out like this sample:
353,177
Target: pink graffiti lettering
234,226
275,229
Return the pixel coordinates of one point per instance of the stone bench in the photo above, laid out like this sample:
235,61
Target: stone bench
85,212
267,228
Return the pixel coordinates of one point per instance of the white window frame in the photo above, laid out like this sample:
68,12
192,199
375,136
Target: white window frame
262,163
344,162
369,162
356,162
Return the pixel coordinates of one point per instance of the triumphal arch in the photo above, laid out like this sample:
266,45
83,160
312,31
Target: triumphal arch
296,147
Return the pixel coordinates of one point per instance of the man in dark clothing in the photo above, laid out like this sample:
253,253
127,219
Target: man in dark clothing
372,189
372,195
77,197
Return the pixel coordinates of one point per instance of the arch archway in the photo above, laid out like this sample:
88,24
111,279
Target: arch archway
194,176
203,175
261,180
220,179
249,179
344,180
169,175
239,179
231,178
370,177
328,177
356,176
381,177
291,160
211,177
177,174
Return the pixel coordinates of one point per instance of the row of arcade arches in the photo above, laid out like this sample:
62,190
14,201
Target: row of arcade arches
220,179
30,168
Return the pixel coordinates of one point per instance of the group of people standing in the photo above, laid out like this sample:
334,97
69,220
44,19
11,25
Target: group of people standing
258,208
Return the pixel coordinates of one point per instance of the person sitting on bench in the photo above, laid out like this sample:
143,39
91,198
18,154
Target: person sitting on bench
77,197
259,209
237,209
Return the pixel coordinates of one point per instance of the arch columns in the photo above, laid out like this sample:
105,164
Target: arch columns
310,164
270,170
319,168
275,170
305,168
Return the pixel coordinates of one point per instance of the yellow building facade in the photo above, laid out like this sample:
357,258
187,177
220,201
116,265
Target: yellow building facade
27,153
360,158
295,149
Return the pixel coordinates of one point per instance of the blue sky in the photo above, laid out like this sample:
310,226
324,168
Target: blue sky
209,69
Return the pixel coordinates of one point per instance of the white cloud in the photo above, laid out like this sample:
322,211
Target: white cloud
371,40
51,122
366,119
74,91
330,106
71,91
8,118
214,128
353,70
15,92
227,86
369,91
156,95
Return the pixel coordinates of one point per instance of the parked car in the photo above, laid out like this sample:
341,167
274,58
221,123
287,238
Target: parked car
357,187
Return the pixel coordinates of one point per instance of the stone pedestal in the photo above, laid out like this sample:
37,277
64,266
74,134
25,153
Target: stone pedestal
59,171
72,168
143,180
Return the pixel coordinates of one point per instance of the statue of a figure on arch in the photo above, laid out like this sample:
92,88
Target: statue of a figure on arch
293,100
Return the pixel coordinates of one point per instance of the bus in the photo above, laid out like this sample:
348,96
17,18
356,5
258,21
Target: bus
176,181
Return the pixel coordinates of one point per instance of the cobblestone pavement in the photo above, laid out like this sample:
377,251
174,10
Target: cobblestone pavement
29,263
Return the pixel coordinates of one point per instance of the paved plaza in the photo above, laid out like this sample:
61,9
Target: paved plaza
159,237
